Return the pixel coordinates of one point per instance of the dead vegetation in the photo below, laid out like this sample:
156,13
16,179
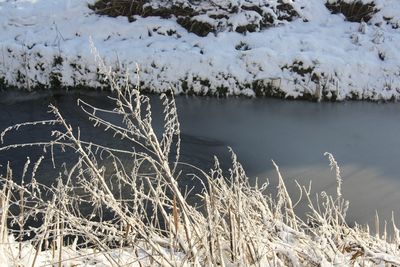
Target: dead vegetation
203,17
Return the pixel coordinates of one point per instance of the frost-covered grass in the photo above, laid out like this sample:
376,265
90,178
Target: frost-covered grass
149,220
313,49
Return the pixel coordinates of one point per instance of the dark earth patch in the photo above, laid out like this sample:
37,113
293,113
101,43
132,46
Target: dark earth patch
260,16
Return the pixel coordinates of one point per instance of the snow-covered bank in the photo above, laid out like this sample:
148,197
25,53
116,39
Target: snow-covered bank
315,55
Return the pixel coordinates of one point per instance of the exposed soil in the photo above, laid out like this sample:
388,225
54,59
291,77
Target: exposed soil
259,16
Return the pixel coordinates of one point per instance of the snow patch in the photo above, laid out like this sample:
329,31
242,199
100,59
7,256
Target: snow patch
45,44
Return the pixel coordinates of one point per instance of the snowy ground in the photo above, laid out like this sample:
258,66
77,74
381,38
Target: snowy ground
317,55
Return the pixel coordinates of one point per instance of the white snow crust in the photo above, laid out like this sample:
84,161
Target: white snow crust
318,55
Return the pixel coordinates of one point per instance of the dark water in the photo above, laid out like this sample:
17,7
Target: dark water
364,138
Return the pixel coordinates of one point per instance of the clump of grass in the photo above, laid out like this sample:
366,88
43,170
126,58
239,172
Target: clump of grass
150,221
354,11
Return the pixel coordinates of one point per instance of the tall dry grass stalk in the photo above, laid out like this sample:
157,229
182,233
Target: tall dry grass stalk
149,221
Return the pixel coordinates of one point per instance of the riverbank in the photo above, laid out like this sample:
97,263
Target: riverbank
308,53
